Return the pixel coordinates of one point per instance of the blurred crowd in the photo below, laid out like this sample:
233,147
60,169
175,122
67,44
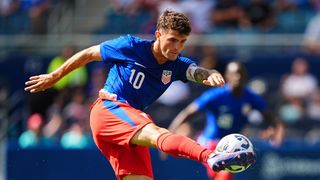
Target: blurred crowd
24,16
60,115
139,16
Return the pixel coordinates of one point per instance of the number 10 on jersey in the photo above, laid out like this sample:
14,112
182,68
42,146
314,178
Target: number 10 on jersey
136,79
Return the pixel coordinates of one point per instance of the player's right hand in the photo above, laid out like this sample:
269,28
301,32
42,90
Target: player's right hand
40,83
275,138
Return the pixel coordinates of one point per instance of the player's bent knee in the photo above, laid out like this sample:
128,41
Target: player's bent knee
148,135
136,177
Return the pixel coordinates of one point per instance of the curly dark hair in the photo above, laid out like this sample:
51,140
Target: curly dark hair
175,21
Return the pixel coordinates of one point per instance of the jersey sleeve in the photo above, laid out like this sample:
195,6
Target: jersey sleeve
113,50
257,101
208,98
183,65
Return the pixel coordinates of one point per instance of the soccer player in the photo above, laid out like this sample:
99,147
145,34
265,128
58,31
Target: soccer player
227,109
139,72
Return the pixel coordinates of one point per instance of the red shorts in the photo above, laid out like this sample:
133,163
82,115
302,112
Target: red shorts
113,124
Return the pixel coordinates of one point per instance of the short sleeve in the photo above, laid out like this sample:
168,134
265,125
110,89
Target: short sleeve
115,49
207,99
257,102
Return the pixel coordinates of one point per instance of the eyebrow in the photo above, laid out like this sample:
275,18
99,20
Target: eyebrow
177,38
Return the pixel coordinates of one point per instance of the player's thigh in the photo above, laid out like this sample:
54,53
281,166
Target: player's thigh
116,122
136,177
148,135
126,161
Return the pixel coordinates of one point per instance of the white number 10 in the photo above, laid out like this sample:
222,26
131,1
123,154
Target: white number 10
138,79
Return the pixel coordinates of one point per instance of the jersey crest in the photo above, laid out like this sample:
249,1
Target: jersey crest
166,76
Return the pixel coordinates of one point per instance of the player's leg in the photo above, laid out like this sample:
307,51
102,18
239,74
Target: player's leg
112,132
181,146
223,175
153,136
211,144
120,124
135,161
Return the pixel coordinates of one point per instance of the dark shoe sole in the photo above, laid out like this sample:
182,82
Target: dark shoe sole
242,159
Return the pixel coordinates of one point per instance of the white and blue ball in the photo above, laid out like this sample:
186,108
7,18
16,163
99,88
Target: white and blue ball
233,143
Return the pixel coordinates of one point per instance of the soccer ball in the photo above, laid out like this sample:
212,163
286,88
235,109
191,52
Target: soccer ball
233,143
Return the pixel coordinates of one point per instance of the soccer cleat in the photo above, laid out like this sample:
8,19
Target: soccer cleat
221,161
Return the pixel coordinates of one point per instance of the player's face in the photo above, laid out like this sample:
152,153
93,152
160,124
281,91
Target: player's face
235,75
171,43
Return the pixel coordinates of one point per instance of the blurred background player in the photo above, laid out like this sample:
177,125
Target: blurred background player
227,109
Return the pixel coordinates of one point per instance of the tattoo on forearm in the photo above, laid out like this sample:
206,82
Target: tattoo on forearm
200,75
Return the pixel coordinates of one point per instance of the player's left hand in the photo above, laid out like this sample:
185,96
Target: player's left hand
215,79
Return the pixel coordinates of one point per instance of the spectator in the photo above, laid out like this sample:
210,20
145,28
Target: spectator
313,107
39,103
76,111
313,136
200,20
259,14
228,13
170,4
292,110
297,88
300,83
127,6
76,78
56,124
8,7
311,41
74,138
63,113
37,11
9,10
292,15
32,136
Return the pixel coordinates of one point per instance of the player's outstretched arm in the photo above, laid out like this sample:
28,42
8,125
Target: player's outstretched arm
205,76
276,130
44,81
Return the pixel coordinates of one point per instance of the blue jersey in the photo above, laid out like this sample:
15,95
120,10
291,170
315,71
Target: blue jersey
225,112
135,75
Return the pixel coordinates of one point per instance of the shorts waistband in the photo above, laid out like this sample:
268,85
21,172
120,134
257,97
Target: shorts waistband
105,95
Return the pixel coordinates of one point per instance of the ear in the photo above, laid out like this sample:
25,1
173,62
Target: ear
158,34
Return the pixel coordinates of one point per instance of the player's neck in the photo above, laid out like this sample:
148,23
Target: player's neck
155,49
